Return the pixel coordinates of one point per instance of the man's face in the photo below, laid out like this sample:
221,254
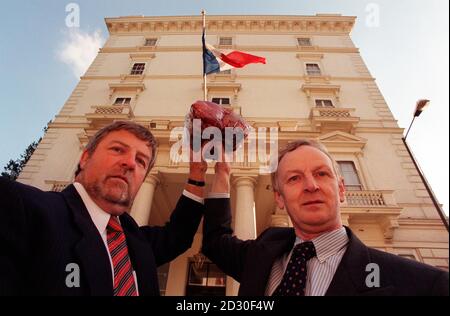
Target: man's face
310,191
114,172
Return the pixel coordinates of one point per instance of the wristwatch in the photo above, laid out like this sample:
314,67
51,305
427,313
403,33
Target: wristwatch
196,183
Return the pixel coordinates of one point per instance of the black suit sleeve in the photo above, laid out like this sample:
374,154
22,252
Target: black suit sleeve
440,285
13,239
174,238
219,244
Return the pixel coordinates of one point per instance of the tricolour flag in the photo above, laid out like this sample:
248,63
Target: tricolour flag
215,60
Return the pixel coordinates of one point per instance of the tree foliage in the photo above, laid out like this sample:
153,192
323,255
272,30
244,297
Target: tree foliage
13,168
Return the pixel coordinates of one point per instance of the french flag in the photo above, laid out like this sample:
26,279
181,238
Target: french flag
215,60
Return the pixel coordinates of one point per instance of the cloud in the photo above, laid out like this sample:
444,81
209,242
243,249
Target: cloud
79,49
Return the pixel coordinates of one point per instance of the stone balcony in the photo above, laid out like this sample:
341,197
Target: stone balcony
379,205
327,119
369,198
105,114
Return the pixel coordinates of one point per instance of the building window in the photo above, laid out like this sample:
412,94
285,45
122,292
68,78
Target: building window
221,101
322,103
226,41
150,42
122,101
313,70
350,175
138,69
205,280
304,41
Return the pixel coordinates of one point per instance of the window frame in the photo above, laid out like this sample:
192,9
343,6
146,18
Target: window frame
322,100
351,187
148,39
221,98
320,73
299,38
226,37
138,63
122,103
207,285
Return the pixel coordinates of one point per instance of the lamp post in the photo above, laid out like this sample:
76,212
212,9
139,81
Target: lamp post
420,106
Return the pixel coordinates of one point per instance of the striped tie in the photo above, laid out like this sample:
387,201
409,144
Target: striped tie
123,271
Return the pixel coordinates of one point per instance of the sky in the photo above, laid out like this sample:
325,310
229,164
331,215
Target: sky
405,44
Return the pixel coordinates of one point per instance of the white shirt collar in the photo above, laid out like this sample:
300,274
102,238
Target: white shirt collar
328,244
98,216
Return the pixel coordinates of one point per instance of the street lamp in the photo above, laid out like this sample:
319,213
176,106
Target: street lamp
420,106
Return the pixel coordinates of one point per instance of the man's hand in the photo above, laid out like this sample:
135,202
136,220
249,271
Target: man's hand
197,172
221,182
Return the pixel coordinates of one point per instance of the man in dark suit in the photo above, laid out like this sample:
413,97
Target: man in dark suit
82,241
318,256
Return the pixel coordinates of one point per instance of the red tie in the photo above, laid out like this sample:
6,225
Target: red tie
123,271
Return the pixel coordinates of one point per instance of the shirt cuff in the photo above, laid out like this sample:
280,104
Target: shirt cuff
194,197
212,195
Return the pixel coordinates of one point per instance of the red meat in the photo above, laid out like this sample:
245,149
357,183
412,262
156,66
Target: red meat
212,114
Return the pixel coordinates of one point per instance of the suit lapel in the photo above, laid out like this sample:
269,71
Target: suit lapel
350,276
141,257
90,248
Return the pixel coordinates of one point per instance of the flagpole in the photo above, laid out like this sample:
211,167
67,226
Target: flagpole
205,97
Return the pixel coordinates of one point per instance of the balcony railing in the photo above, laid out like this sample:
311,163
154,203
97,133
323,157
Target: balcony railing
365,198
375,198
110,112
330,119
332,112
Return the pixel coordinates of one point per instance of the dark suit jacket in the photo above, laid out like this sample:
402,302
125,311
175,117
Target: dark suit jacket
250,262
42,232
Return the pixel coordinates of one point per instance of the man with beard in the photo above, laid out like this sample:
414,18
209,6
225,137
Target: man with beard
82,241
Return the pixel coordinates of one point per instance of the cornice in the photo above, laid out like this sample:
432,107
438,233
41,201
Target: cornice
70,121
320,23
247,48
256,77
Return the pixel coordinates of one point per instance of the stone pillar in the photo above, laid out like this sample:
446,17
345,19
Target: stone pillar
245,220
143,202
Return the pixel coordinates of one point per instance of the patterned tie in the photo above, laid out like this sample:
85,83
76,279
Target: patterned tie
294,278
123,271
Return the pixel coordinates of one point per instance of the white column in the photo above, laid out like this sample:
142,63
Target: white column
143,202
244,218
